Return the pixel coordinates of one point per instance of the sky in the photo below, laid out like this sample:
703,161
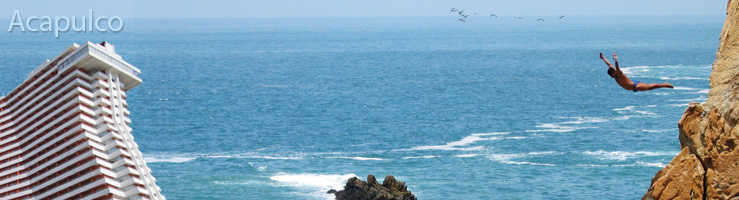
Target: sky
355,8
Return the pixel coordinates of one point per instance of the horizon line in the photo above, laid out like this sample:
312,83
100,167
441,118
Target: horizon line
408,16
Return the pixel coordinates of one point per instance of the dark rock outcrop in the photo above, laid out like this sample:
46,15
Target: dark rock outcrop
390,189
708,165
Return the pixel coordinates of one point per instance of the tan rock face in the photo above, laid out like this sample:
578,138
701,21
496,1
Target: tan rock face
681,179
725,73
708,165
721,158
690,129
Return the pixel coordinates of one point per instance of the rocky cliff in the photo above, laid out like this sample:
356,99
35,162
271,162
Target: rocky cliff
708,165
390,189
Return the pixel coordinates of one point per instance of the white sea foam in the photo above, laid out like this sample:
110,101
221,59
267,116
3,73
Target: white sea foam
416,157
446,148
648,164
526,163
629,111
259,168
644,112
566,126
614,165
657,131
635,69
622,155
179,158
592,165
469,140
705,91
330,181
358,158
556,127
493,133
626,117
698,99
279,158
682,78
638,163
172,160
552,130
467,155
582,120
504,157
253,155
318,184
679,104
222,156
544,153
237,183
508,159
684,88
642,69
464,143
659,93
631,108
624,108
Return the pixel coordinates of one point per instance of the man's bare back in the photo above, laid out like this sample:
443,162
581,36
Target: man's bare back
625,82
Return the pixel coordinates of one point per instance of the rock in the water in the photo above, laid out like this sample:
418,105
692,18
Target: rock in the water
390,189
708,165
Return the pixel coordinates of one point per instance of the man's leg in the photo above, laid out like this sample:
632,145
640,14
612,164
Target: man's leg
645,86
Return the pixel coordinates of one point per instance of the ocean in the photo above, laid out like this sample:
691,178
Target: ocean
288,108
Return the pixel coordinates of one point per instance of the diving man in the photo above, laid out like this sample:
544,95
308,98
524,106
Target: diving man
625,82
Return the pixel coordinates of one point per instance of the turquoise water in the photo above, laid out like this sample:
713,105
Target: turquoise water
288,108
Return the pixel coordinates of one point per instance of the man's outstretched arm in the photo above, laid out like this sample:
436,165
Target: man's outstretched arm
615,59
607,63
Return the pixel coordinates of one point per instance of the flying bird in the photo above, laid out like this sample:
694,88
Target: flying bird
519,17
560,17
453,10
461,20
540,19
493,15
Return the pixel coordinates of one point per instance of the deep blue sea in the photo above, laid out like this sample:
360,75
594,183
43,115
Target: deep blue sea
288,108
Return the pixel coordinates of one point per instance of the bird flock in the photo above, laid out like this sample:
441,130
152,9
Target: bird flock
463,15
